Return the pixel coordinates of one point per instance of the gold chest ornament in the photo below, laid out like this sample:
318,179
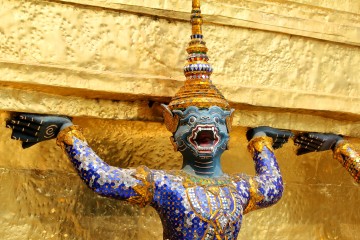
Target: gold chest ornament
215,201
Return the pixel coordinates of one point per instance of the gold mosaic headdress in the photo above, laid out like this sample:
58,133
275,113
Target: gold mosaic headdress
198,89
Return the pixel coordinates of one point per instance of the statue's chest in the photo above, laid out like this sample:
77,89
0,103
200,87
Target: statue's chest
216,204
215,201
199,208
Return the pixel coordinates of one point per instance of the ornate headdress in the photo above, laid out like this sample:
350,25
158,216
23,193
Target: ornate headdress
198,89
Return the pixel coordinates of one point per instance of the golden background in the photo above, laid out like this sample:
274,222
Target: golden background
287,64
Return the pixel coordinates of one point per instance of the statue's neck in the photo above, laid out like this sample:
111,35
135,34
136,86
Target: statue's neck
209,167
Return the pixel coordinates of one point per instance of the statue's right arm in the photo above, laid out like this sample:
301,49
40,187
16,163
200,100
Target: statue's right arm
133,185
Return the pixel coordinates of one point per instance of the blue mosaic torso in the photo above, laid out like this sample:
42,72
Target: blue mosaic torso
199,210
190,207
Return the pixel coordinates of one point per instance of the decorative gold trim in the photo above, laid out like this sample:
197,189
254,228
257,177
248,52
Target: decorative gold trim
196,3
210,221
66,135
197,48
198,89
349,158
171,121
258,144
145,190
196,18
341,150
229,120
214,187
192,181
173,142
255,196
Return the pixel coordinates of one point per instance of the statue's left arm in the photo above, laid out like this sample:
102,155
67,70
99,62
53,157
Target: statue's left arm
343,151
266,187
350,159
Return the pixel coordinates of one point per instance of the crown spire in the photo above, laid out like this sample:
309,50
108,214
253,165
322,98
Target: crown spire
196,18
198,89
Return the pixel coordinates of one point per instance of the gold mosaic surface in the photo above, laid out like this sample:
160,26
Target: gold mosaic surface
68,49
273,60
43,198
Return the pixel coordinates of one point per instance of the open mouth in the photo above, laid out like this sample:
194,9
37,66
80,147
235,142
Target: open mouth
204,138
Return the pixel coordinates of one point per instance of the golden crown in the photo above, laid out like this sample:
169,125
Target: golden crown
198,89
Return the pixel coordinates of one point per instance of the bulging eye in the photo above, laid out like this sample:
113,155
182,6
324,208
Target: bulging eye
216,119
192,119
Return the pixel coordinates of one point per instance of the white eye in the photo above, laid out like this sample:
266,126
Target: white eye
192,119
216,119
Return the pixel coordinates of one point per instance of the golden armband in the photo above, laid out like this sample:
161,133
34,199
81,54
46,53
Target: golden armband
258,144
144,190
255,196
66,135
349,158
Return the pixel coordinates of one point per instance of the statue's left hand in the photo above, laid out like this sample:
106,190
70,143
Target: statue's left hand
279,136
316,142
34,128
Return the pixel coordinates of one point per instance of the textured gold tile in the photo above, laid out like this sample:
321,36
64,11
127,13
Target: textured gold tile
75,59
43,198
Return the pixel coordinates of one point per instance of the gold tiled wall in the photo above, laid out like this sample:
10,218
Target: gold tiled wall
287,64
43,198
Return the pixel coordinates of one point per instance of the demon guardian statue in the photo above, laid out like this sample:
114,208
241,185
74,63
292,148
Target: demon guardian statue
199,201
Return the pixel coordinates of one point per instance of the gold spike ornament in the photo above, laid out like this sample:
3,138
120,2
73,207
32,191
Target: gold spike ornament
198,89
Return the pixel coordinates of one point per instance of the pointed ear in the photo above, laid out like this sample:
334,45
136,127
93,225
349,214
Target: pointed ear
229,120
171,120
173,142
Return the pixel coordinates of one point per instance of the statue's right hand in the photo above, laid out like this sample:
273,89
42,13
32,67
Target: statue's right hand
34,128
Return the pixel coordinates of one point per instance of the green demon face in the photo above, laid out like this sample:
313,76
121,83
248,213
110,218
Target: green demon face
202,133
